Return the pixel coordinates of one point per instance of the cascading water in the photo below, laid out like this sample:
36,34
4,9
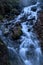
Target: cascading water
29,48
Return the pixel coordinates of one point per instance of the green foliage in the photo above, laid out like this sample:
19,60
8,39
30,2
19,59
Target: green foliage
7,5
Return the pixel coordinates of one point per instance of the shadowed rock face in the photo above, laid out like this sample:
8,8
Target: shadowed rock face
39,27
3,54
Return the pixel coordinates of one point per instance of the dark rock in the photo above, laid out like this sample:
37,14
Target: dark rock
30,53
18,24
3,54
34,8
31,18
29,30
30,22
16,32
23,18
39,27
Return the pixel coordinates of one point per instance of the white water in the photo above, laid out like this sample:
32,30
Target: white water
30,46
29,49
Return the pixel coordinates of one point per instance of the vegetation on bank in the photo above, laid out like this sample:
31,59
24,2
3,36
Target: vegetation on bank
9,8
4,60
39,28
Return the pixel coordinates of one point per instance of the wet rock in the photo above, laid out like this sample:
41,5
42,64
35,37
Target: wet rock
16,32
29,30
30,53
30,18
24,18
34,8
31,22
18,24
40,16
6,31
3,54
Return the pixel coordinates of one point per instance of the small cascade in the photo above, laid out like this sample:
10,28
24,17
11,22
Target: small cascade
29,49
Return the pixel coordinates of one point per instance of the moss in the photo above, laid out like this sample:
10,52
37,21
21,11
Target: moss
1,17
17,32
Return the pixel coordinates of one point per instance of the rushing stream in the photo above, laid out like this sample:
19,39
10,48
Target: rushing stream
29,48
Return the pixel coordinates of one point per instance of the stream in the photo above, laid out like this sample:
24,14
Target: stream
29,49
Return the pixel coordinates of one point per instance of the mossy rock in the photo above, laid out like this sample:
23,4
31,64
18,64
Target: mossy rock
17,32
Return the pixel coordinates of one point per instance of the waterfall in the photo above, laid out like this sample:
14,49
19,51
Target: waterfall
25,3
29,48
